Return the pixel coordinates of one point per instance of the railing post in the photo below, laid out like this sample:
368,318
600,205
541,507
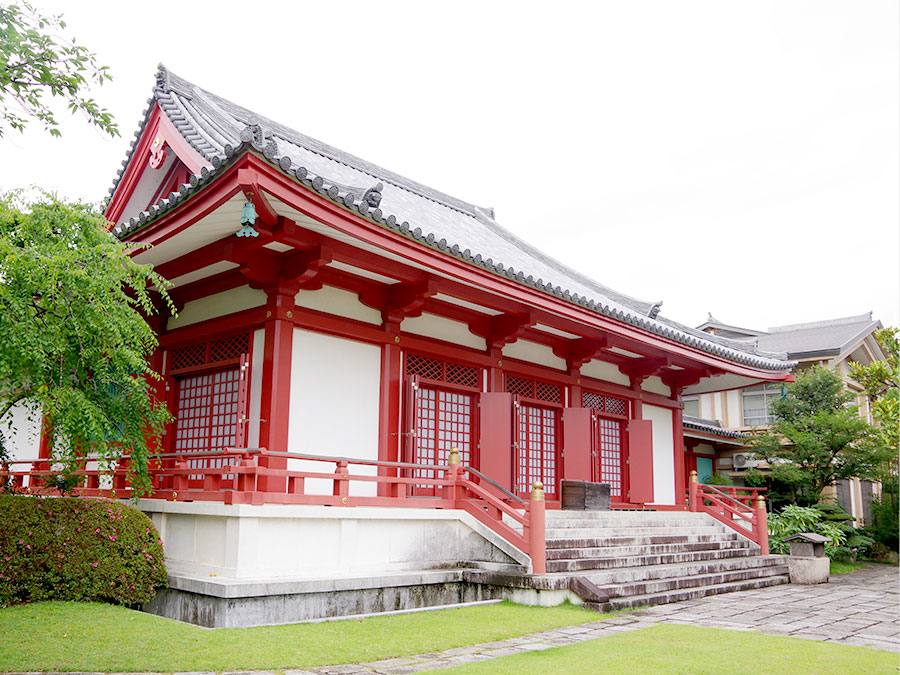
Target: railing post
180,480
762,526
694,490
341,482
537,543
453,491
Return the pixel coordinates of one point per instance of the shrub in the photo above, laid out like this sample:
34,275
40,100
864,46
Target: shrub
885,521
70,548
797,519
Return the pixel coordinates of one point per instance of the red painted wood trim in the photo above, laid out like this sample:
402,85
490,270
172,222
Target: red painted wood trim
389,437
678,432
577,444
158,124
315,206
640,461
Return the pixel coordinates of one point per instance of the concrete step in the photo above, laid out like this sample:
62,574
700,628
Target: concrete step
688,580
581,559
629,575
627,522
648,599
624,515
597,532
649,540
641,559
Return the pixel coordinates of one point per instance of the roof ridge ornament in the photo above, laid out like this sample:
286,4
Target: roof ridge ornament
259,137
162,79
372,196
654,310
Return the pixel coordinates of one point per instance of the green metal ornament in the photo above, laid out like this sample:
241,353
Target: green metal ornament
248,219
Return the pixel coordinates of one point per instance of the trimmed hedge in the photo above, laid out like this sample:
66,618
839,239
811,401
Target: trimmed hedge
70,548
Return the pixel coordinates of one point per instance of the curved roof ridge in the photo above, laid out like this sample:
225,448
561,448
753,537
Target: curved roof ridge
327,175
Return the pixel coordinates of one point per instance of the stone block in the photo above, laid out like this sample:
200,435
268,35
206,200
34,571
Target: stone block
809,571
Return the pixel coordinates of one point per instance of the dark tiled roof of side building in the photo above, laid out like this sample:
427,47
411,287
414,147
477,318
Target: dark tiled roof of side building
821,338
713,427
220,130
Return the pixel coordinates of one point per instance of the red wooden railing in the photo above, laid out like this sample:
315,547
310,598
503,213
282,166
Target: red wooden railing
740,508
255,476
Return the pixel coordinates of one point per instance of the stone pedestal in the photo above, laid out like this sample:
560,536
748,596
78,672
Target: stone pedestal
809,571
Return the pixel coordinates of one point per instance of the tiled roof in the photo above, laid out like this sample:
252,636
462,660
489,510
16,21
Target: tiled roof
819,338
713,427
220,131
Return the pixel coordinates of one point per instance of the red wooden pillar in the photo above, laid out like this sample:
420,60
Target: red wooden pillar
276,383
678,442
495,372
389,438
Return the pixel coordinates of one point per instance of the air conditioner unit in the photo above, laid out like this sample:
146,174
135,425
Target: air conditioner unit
743,460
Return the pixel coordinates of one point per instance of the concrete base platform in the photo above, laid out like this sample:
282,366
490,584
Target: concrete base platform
230,603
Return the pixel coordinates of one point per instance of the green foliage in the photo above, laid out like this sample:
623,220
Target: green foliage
885,521
833,512
798,519
817,438
77,549
719,479
34,61
881,380
73,340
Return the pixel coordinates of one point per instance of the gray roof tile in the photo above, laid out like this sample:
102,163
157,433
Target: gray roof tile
215,127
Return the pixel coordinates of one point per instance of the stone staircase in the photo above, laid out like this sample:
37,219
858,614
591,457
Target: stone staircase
622,559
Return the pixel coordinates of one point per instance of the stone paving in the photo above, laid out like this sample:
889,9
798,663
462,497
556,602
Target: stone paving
860,608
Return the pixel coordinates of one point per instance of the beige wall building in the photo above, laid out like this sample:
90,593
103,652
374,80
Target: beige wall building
834,344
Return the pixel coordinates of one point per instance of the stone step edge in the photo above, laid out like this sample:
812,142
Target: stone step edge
671,570
563,566
669,584
650,599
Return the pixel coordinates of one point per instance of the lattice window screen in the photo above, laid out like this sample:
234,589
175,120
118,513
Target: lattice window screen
443,371
604,404
535,389
221,351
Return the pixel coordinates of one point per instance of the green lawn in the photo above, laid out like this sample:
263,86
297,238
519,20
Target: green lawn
688,650
844,567
95,637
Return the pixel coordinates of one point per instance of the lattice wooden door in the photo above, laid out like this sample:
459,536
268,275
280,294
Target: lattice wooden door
210,413
536,447
444,419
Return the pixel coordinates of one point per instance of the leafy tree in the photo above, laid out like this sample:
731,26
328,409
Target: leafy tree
34,61
73,339
817,437
881,380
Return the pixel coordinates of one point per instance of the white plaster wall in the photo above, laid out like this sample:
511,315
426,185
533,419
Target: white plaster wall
276,541
663,453
335,390
21,428
256,375
218,304
706,406
339,302
655,385
439,328
603,370
735,411
532,352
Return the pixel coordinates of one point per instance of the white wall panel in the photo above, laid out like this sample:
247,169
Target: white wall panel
603,370
655,385
256,376
339,302
335,389
439,328
218,304
532,352
21,428
663,453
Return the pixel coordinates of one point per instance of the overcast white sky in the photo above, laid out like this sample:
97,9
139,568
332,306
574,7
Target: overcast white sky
739,158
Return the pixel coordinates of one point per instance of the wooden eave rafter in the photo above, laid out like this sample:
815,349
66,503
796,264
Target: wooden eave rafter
452,277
